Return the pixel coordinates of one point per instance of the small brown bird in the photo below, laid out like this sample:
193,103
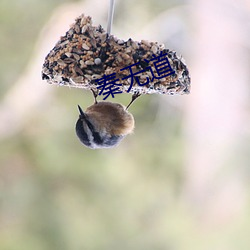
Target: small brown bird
104,124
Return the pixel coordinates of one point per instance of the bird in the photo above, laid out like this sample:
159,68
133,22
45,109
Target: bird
104,124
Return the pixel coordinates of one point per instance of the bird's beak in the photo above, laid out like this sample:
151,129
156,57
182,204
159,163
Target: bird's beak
82,115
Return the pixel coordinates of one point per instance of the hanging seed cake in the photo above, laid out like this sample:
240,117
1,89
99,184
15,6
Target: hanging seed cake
87,53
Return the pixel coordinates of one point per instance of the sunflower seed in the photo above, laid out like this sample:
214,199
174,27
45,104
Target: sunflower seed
85,46
88,62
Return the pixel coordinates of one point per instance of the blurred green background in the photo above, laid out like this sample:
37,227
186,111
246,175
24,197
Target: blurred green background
180,182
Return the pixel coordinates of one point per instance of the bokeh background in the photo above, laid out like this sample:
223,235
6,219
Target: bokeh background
180,182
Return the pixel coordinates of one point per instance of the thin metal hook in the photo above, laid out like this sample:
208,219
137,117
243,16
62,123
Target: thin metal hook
110,15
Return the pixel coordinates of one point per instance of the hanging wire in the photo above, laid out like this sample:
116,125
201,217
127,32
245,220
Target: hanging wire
110,15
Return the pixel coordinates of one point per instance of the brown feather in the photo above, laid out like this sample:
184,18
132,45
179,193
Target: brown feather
111,117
